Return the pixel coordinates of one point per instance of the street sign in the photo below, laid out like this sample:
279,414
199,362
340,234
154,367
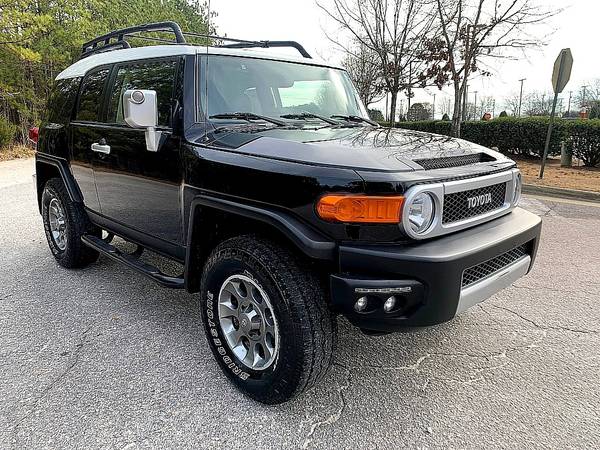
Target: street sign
562,70
560,78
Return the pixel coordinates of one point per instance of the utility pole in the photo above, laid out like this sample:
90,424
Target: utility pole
475,105
569,107
464,109
583,103
521,96
433,108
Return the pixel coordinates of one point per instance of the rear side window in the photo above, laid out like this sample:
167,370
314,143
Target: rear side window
90,99
62,100
158,76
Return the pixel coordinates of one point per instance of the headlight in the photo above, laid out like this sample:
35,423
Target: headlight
518,188
421,212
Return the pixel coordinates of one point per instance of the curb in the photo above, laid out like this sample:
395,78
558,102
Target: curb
561,193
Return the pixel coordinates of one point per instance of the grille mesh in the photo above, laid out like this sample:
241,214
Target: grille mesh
456,205
453,161
480,271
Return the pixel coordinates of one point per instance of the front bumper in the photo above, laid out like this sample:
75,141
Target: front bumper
427,277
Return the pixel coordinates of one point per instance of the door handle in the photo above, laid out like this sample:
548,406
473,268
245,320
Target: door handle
101,148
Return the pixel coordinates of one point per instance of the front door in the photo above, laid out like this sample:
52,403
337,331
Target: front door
136,187
87,130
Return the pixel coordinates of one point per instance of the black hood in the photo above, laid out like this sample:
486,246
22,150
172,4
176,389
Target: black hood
360,148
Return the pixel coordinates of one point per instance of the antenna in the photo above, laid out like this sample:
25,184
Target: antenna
206,76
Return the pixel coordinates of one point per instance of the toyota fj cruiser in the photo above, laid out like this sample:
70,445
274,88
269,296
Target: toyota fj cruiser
263,177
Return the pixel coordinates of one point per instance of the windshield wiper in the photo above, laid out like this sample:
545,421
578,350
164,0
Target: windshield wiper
248,116
354,119
307,115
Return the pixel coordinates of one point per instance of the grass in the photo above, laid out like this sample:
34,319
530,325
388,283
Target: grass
16,151
577,177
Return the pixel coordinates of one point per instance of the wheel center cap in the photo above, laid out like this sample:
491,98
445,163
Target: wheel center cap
249,322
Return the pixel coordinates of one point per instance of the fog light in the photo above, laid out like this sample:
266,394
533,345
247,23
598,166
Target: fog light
361,304
389,304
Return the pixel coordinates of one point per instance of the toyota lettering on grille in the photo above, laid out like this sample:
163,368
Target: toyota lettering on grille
479,200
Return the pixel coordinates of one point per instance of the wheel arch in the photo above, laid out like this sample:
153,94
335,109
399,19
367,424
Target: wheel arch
47,167
213,219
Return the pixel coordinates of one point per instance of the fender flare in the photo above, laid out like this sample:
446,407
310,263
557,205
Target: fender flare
65,174
308,240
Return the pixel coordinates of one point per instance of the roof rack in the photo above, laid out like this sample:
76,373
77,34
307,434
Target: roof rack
117,39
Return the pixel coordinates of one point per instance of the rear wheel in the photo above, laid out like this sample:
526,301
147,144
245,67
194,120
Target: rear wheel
266,319
64,223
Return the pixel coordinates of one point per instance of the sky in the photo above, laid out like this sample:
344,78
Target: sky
576,27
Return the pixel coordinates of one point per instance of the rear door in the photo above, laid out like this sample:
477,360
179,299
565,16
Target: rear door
138,188
87,130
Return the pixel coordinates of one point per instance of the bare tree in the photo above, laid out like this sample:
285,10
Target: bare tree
472,30
539,104
486,104
511,103
395,30
588,93
364,69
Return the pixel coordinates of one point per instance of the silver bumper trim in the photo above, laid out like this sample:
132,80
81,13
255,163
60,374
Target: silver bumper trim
485,288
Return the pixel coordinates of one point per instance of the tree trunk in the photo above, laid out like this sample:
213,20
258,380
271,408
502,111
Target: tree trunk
457,114
393,108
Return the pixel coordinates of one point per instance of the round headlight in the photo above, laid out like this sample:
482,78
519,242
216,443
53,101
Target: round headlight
421,212
518,188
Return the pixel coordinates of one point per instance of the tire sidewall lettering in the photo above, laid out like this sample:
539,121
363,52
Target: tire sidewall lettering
220,346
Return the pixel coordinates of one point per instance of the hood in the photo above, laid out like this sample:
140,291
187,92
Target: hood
360,148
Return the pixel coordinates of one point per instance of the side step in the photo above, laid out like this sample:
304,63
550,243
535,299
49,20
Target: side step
132,261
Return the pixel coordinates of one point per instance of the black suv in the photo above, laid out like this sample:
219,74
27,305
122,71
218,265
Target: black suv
284,205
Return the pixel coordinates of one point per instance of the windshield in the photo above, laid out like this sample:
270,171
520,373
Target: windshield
275,89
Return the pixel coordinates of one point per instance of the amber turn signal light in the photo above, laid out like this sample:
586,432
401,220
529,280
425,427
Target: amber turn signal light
360,208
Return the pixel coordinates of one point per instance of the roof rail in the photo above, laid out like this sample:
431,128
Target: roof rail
94,46
270,44
103,43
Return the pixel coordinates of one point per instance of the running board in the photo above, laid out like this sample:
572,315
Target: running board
150,271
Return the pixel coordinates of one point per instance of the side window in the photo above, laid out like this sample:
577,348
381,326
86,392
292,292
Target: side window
156,75
90,99
62,100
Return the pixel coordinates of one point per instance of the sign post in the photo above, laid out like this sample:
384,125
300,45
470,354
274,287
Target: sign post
560,77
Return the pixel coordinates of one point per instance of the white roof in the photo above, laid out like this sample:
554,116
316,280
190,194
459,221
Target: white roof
81,67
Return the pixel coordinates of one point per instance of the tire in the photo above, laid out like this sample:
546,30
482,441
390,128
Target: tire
305,330
69,252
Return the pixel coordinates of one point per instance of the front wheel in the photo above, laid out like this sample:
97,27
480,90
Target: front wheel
64,223
266,319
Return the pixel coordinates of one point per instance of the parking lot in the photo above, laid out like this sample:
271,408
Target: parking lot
102,357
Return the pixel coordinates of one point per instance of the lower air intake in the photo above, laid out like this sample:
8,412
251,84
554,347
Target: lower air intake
491,266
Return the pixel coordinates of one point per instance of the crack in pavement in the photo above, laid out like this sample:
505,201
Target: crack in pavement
543,327
72,363
332,418
415,367
545,288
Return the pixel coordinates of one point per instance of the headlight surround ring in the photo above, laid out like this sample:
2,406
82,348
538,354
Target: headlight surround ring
518,188
421,212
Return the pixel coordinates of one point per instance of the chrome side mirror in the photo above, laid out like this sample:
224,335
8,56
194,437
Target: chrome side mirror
140,110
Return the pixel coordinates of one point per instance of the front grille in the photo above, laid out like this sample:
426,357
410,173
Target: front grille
491,266
454,161
457,205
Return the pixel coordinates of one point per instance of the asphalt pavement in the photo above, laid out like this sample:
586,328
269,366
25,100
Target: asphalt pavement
104,358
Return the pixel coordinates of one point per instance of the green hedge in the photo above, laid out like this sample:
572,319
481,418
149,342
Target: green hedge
525,136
